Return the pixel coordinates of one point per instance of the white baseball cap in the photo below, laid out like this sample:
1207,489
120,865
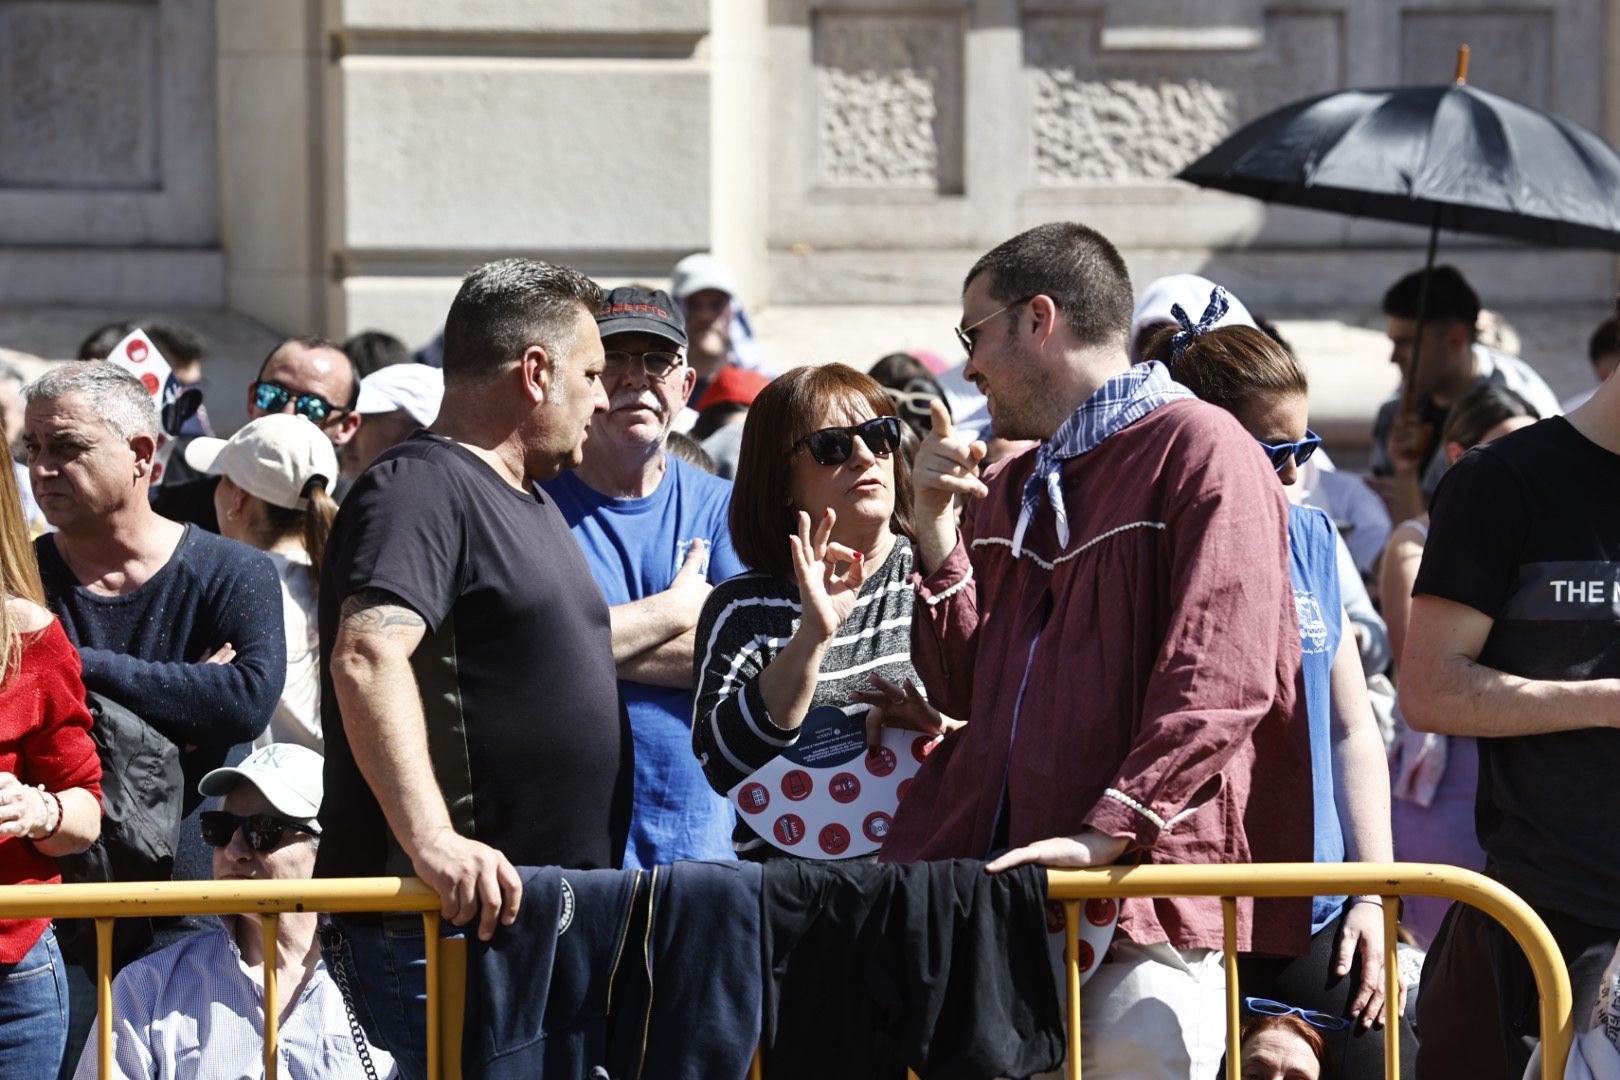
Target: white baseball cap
274,458
286,774
698,272
416,388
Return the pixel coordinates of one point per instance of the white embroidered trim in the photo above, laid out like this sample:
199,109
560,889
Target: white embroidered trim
946,594
1120,796
1066,556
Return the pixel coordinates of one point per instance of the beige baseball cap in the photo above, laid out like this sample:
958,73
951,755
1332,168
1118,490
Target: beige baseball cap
289,776
274,458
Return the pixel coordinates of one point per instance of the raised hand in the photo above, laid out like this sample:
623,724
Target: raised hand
946,466
829,574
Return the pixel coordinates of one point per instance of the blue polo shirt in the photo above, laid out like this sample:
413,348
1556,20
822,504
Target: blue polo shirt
635,547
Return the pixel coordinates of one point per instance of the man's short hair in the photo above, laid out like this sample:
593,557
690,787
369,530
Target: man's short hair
1605,340
371,350
506,306
100,342
1451,298
316,341
178,343
115,396
1074,265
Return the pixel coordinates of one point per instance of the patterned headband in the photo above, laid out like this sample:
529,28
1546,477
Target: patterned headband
1214,313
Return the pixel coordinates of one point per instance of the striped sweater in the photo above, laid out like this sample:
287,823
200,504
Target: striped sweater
745,623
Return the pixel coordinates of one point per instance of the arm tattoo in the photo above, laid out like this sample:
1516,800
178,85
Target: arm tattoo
379,612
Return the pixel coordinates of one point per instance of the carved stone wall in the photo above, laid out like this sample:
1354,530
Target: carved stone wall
1118,117
1118,130
889,101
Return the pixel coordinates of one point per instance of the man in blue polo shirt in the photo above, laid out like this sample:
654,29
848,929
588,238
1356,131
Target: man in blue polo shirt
654,531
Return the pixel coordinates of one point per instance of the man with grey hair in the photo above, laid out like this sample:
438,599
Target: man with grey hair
656,533
178,625
469,700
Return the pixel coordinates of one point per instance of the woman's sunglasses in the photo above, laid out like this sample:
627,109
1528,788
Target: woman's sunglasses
264,832
833,445
1267,1007
273,397
1301,451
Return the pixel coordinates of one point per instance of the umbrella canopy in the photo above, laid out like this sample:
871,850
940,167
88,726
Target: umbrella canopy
1448,157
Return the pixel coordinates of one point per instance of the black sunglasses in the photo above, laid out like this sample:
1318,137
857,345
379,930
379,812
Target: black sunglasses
264,832
833,445
655,364
1301,451
273,397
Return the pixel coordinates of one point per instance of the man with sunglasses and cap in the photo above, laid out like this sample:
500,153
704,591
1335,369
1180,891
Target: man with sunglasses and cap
655,533
195,1009
306,376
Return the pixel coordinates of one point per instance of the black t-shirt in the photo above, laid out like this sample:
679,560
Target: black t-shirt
1527,531
528,738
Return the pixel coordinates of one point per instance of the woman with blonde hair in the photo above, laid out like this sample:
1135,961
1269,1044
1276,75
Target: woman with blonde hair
274,475
50,791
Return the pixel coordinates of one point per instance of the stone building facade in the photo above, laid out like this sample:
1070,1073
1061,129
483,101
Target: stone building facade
338,164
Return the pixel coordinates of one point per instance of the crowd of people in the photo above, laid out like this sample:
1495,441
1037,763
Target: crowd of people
550,592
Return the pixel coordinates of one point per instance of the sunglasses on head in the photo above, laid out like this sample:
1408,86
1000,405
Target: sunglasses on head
833,445
273,397
264,832
1301,451
656,364
1267,1007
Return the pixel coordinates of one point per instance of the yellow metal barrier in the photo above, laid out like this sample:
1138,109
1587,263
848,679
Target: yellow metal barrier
1388,880
447,960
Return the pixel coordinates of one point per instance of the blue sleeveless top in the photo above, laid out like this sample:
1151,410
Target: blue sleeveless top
1313,571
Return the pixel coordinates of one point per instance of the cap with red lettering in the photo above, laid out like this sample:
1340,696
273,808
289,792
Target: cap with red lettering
631,310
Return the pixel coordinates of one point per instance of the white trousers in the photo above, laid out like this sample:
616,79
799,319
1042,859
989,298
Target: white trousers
1153,1013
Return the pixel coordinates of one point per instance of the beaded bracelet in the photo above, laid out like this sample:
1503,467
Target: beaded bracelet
58,826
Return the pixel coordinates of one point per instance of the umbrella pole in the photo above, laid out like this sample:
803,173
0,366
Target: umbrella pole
1409,387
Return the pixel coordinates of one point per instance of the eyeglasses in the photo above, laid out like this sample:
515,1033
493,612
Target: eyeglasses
916,406
655,364
833,445
1267,1007
966,335
264,832
1301,451
273,397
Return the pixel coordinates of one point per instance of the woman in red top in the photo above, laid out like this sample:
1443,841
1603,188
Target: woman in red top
50,790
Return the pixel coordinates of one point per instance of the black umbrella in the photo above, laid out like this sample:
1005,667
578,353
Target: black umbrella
1449,157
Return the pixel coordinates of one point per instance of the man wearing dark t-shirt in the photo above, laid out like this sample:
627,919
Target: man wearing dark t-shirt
1515,639
469,694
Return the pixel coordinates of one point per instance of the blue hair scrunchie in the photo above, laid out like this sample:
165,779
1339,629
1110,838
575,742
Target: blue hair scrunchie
1214,313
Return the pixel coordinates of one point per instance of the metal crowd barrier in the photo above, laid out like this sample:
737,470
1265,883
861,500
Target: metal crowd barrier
1388,880
447,959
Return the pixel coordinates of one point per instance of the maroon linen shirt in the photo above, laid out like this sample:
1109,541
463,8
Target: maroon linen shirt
1142,682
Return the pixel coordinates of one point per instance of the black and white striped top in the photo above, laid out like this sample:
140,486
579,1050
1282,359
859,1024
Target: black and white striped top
745,623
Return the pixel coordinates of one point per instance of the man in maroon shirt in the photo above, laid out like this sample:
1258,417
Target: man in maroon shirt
1114,616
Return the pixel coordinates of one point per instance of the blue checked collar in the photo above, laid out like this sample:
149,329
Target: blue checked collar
1116,404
